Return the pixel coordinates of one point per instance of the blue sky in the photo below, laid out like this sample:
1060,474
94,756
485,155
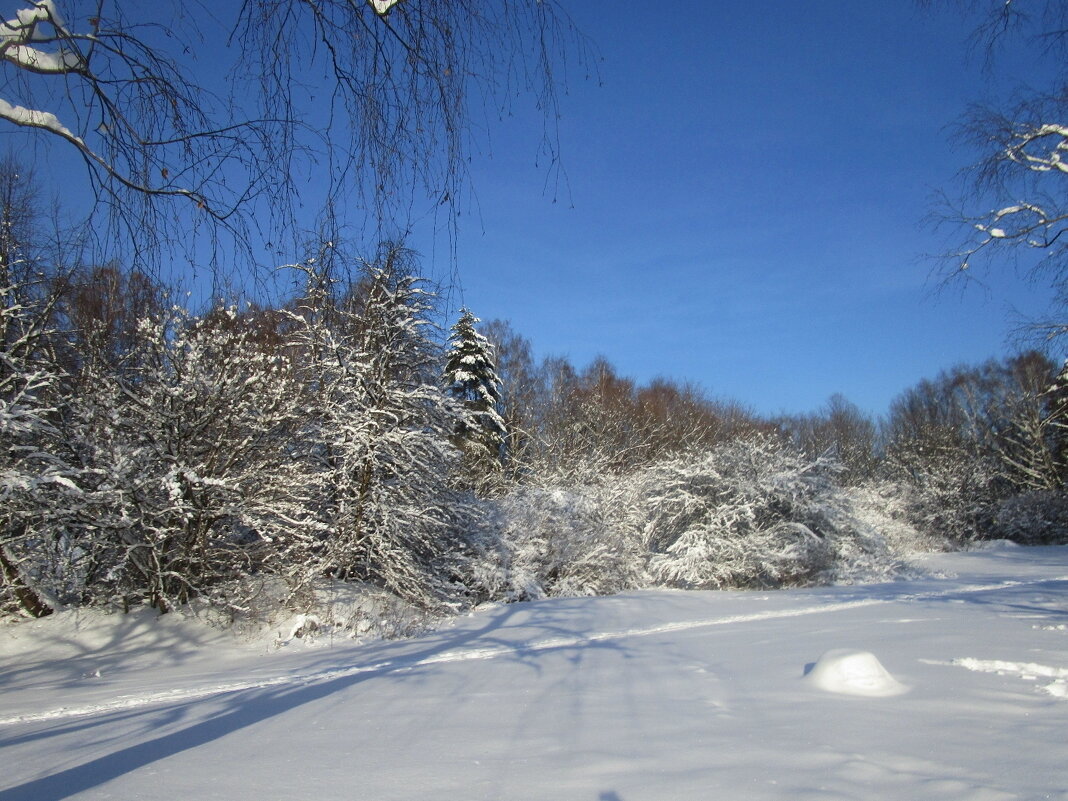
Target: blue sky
742,201
744,207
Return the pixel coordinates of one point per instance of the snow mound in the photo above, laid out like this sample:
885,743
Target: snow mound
850,672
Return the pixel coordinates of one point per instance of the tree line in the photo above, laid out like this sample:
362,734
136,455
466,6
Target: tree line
155,455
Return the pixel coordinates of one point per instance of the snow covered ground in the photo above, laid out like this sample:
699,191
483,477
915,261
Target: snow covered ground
953,686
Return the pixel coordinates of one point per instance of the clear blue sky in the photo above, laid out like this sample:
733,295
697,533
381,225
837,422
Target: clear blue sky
747,190
743,201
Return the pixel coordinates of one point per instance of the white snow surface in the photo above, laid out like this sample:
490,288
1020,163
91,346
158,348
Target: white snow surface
645,695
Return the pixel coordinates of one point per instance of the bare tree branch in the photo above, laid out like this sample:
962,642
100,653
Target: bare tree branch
170,151
1022,167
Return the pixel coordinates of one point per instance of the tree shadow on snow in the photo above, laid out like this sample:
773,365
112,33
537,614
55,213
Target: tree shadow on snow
247,708
124,640
1040,600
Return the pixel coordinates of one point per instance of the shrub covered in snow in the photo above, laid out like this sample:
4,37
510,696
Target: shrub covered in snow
952,496
182,454
556,541
884,506
751,513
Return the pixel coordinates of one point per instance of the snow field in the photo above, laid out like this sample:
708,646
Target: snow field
646,695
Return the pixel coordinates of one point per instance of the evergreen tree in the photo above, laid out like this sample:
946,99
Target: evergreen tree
471,378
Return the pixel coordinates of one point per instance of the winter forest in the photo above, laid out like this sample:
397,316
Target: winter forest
159,456
353,434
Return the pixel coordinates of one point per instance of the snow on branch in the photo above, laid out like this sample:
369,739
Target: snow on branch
1040,136
145,129
32,118
1026,224
382,7
17,34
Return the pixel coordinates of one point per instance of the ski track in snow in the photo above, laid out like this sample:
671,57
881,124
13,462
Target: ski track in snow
1029,671
196,693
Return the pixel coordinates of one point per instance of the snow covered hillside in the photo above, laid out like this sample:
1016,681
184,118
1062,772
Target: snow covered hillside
953,686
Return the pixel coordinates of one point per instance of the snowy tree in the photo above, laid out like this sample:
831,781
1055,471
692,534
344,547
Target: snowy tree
379,458
34,481
975,436
1056,397
933,447
471,378
1015,208
187,450
522,389
1026,419
37,485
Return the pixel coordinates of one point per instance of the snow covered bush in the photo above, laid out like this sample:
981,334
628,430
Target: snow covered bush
750,513
885,508
556,541
953,495
186,448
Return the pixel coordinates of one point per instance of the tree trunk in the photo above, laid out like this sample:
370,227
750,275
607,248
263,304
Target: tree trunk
28,598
